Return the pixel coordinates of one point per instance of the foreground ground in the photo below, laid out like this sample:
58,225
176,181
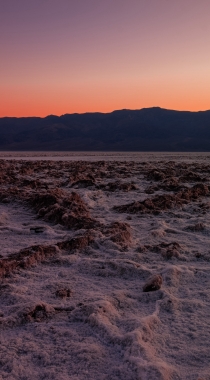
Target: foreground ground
80,242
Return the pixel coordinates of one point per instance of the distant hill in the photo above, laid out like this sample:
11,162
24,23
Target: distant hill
148,129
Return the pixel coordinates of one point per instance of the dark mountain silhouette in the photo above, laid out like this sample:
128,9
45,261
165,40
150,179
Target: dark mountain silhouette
148,129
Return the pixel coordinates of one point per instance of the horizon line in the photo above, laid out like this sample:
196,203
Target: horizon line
103,113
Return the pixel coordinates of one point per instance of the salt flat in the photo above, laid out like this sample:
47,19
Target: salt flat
79,241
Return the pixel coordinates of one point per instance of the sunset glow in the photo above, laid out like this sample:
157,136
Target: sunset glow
80,56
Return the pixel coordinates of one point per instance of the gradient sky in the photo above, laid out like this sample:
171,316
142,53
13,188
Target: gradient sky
66,56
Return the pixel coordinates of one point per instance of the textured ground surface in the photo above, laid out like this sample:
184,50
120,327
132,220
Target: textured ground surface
80,243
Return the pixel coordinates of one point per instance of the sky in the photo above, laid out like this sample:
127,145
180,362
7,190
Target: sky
76,56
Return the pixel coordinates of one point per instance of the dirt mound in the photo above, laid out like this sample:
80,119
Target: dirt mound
155,175
165,202
45,199
83,183
33,184
151,189
79,242
167,250
26,258
116,186
67,210
9,194
190,176
196,227
33,255
169,184
119,233
38,313
82,178
170,177
153,283
63,293
150,205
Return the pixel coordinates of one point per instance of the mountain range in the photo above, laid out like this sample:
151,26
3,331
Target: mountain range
147,129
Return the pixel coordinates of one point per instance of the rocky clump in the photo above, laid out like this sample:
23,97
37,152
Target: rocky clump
190,176
63,293
10,194
160,203
198,227
26,258
167,250
151,189
78,242
153,283
155,175
59,207
82,179
119,233
38,313
171,184
35,254
118,186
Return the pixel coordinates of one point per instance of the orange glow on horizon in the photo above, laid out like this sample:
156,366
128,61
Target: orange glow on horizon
92,56
36,112
44,104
